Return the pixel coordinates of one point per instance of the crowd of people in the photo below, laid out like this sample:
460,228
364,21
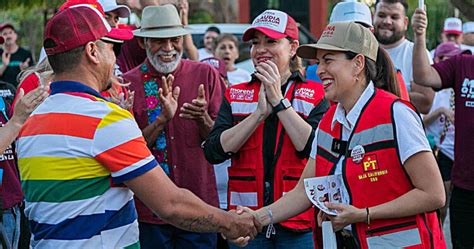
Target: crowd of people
132,137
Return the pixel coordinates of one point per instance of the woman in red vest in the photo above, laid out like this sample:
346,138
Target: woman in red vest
376,142
266,126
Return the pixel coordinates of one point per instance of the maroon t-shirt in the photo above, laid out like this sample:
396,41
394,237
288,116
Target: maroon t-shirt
11,189
458,73
189,168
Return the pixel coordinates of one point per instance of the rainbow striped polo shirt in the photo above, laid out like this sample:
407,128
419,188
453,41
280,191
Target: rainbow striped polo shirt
74,153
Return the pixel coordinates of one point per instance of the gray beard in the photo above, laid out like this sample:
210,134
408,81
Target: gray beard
160,66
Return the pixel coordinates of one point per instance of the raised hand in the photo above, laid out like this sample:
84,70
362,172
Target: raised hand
25,64
346,214
419,22
6,58
263,107
168,97
197,109
26,104
268,74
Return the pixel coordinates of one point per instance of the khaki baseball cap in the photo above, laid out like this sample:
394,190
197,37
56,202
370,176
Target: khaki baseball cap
343,36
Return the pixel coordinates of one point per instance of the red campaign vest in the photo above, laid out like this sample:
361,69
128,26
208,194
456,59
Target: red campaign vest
246,174
378,177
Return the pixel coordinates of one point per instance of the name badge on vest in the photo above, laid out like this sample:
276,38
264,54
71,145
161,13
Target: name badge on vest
358,154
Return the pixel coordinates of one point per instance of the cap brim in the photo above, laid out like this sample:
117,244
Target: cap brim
249,33
123,11
118,35
308,51
161,32
454,32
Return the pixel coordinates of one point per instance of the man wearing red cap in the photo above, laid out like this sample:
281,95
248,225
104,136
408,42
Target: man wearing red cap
78,188
14,57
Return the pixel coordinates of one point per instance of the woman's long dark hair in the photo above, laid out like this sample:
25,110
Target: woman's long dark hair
382,72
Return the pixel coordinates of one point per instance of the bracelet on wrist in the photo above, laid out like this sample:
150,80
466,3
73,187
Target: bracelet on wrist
270,229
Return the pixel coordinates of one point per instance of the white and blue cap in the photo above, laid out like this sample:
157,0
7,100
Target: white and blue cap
351,11
111,5
468,27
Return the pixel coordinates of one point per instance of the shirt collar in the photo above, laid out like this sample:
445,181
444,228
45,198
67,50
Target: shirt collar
349,120
73,86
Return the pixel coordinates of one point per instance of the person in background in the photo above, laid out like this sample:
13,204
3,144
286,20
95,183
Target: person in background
14,57
439,122
174,125
457,73
389,173
468,36
266,126
226,48
208,41
391,23
346,11
113,11
452,30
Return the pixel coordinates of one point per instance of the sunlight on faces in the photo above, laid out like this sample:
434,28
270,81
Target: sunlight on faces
164,54
227,51
390,22
279,51
336,74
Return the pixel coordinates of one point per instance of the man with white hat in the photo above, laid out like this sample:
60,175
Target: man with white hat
78,188
452,30
468,36
347,11
176,102
113,11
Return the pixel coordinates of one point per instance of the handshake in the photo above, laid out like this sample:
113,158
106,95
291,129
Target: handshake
245,226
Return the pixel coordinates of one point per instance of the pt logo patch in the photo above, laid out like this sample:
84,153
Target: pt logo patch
370,163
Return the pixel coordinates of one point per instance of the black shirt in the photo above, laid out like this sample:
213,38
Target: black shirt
13,69
215,153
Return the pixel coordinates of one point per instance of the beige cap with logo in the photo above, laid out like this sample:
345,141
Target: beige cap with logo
343,36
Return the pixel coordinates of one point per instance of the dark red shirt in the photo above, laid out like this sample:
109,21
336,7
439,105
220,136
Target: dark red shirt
188,166
458,73
11,189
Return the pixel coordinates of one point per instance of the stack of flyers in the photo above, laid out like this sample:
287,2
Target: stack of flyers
322,189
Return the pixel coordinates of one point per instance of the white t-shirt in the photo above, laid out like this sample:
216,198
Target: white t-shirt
203,54
402,58
435,129
468,47
410,141
238,76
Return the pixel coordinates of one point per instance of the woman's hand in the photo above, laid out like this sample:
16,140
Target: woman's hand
263,108
322,216
268,74
26,104
346,215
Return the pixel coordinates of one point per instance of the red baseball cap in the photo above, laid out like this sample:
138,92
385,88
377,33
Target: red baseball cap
274,24
77,25
6,25
449,49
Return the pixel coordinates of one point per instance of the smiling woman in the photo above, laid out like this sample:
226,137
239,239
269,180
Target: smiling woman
266,126
390,176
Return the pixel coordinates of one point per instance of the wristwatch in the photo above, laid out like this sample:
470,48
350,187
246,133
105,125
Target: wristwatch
284,104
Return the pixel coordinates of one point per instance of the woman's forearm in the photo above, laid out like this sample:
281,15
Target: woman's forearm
233,138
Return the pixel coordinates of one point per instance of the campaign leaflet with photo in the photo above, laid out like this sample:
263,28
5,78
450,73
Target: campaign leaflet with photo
322,189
